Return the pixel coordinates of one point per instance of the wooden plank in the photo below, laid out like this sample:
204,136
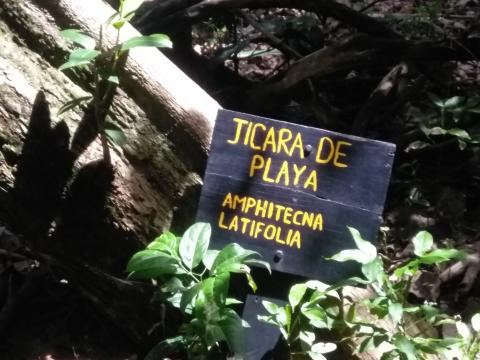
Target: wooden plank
290,191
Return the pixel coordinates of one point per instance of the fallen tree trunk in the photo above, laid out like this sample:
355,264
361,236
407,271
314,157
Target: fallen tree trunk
83,216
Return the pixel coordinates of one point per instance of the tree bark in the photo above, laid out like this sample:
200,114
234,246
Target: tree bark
73,212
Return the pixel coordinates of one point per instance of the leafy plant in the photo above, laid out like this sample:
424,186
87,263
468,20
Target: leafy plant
468,346
455,118
315,305
195,280
105,64
310,306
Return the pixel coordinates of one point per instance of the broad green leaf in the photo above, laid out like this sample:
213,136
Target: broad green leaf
395,310
115,134
154,40
317,316
79,57
350,317
129,6
362,245
463,330
72,104
460,133
209,258
296,294
476,322
350,255
434,131
167,243
374,271
194,244
233,326
230,257
422,243
79,38
406,347
270,319
260,263
166,348
417,145
233,301
148,259
272,309
453,101
189,295
441,255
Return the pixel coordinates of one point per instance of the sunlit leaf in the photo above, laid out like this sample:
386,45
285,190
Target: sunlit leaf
115,134
476,322
78,37
460,133
80,57
194,244
422,242
154,40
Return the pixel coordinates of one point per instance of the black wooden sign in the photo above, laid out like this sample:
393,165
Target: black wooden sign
290,191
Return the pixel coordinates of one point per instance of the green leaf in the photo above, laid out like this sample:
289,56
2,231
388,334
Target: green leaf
194,244
453,101
463,330
476,322
167,243
366,251
129,6
79,38
374,271
69,105
351,313
441,255
231,258
405,346
317,316
147,259
233,301
261,263
189,295
296,294
79,57
349,255
417,145
115,133
422,243
434,131
272,308
460,133
395,310
166,348
154,40
234,329
209,258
